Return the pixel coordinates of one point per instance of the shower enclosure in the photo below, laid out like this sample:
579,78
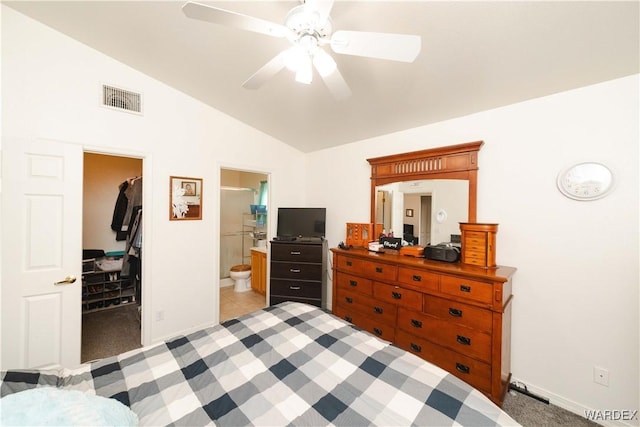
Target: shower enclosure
235,239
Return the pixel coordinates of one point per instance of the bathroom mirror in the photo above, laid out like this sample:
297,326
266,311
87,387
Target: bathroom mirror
185,198
438,186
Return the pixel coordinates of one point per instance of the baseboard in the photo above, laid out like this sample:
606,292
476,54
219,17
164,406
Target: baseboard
227,281
570,405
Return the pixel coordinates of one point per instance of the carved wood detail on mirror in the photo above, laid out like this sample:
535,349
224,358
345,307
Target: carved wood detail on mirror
459,162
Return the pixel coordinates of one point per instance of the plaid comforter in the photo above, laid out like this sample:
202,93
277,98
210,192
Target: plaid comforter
290,364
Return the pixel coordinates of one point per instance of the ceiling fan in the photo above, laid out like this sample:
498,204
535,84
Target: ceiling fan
308,28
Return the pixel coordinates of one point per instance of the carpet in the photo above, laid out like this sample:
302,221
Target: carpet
532,413
109,332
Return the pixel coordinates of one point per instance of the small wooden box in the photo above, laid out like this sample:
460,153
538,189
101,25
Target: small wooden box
479,244
415,250
360,234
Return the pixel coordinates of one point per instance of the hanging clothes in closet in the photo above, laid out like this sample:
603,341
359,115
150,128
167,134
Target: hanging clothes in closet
130,202
120,211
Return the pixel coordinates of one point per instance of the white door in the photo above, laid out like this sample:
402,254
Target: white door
41,254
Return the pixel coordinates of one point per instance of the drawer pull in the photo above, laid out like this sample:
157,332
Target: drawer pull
396,295
462,368
377,331
294,270
378,310
455,312
416,347
349,300
378,269
353,282
463,340
349,263
295,288
417,278
416,323
348,319
465,288
295,252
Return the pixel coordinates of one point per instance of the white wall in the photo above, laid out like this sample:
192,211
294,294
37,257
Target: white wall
101,187
576,289
51,89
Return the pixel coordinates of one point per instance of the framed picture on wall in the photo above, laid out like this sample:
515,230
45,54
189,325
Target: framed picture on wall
185,198
189,188
408,212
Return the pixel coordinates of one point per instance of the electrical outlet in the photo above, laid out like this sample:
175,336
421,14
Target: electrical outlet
159,315
601,376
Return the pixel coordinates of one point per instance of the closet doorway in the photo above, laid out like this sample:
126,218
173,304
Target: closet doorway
111,241
243,241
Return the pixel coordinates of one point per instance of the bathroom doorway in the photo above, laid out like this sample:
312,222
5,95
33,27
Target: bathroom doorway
243,242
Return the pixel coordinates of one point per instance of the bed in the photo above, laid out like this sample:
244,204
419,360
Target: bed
288,364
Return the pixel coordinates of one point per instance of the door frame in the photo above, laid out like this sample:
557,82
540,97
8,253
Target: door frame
147,219
235,167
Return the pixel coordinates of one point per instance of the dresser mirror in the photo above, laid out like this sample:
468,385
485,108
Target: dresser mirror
423,195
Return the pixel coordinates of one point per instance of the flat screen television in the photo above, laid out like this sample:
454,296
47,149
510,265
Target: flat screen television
301,222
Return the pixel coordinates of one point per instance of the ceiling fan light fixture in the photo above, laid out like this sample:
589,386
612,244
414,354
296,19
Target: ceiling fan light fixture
294,57
324,63
308,27
304,73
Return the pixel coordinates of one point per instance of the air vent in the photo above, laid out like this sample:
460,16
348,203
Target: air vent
121,99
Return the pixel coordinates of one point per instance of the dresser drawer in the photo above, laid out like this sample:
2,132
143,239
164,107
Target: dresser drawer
420,278
458,312
379,329
297,271
354,283
476,248
456,337
348,264
277,299
478,238
473,372
372,308
379,271
475,258
397,295
467,289
296,253
293,288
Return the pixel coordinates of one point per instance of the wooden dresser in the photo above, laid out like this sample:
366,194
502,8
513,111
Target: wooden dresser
454,315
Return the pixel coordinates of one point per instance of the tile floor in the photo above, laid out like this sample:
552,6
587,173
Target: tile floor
234,304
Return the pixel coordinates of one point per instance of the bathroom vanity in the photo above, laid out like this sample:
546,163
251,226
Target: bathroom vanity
259,269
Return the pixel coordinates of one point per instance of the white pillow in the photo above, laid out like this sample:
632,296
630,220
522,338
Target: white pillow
49,406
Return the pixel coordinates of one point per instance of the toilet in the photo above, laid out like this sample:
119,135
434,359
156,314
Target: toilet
241,275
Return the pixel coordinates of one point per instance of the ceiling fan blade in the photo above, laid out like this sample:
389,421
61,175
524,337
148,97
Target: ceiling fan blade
394,47
216,15
267,71
322,7
337,85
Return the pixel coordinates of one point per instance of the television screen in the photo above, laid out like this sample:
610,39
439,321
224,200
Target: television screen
301,222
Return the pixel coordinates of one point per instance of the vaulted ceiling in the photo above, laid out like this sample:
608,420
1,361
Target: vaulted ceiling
475,56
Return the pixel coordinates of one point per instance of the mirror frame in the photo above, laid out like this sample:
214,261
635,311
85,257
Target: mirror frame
451,162
194,210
